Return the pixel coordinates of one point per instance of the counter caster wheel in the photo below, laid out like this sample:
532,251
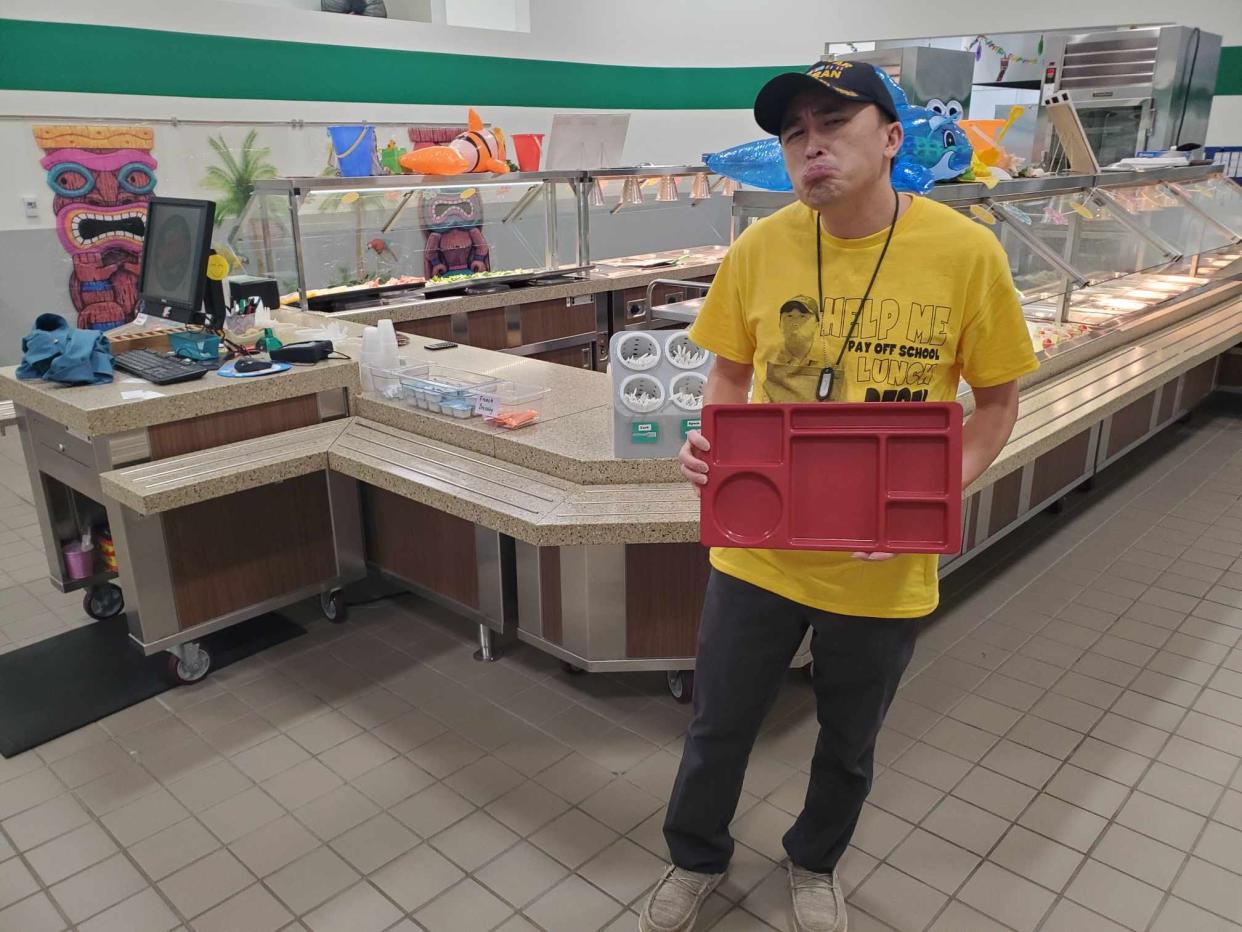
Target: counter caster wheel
333,606
188,663
681,685
1056,507
101,602
571,669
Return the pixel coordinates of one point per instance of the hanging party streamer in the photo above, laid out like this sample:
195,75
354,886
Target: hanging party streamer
980,41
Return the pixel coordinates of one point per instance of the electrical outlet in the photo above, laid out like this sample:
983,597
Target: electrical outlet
30,204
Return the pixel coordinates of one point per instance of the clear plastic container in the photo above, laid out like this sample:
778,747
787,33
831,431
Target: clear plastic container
439,386
516,404
387,382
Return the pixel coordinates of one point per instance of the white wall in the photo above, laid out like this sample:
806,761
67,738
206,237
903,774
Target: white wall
646,32
639,32
512,15
636,32
288,4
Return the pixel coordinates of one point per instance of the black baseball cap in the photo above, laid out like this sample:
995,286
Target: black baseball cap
851,81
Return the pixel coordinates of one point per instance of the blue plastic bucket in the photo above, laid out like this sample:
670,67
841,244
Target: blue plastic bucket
355,149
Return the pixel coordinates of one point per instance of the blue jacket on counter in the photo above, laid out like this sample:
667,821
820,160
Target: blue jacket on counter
59,353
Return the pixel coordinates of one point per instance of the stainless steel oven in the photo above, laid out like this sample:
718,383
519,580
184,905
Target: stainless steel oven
1134,89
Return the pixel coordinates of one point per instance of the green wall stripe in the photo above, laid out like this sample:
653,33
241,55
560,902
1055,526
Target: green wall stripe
82,58
1229,77
111,60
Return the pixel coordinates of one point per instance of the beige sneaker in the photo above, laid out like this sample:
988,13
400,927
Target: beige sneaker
818,905
674,903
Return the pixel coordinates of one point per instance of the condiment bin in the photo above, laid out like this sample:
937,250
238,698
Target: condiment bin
512,404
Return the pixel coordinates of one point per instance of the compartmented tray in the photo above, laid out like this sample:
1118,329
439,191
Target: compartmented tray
872,477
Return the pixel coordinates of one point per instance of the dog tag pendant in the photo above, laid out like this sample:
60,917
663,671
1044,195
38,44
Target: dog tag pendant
824,389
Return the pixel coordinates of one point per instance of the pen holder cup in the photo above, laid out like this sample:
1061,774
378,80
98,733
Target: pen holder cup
79,560
238,324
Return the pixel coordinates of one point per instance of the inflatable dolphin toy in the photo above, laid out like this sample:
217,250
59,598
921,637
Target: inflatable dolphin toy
935,149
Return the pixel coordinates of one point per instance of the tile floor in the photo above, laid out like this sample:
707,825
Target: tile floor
1062,757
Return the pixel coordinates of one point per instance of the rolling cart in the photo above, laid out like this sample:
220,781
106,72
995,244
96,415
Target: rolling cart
187,570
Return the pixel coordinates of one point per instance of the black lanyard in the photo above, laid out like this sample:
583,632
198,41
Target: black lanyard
824,389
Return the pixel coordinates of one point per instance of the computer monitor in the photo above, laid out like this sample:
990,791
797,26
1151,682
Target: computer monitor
173,278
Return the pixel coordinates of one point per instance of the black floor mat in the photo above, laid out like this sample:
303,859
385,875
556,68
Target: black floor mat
65,682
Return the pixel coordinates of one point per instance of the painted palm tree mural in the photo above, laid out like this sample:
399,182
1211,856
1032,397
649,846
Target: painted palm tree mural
232,182
233,179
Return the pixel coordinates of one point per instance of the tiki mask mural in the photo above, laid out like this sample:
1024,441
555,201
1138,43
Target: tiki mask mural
452,222
102,177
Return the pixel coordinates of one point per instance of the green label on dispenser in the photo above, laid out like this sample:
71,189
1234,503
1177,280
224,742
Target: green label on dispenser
645,432
690,423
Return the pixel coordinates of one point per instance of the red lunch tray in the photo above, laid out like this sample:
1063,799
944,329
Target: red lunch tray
873,477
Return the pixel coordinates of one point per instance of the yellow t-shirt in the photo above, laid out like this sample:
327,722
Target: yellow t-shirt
943,307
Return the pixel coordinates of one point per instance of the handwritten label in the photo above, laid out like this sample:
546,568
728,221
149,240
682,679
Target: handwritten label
487,406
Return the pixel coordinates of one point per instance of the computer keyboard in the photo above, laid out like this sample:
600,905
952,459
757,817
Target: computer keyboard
159,368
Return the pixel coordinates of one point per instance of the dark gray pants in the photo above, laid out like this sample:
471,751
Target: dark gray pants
747,639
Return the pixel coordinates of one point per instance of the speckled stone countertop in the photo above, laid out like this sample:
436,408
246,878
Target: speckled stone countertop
523,503
97,410
698,262
572,440
183,480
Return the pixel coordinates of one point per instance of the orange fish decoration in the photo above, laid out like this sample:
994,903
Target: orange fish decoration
476,150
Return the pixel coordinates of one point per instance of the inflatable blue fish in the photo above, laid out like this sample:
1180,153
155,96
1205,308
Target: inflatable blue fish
935,149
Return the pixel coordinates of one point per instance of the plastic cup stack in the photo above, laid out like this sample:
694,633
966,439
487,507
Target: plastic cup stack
370,356
388,345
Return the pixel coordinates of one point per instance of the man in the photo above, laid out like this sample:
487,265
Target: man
800,328
912,296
